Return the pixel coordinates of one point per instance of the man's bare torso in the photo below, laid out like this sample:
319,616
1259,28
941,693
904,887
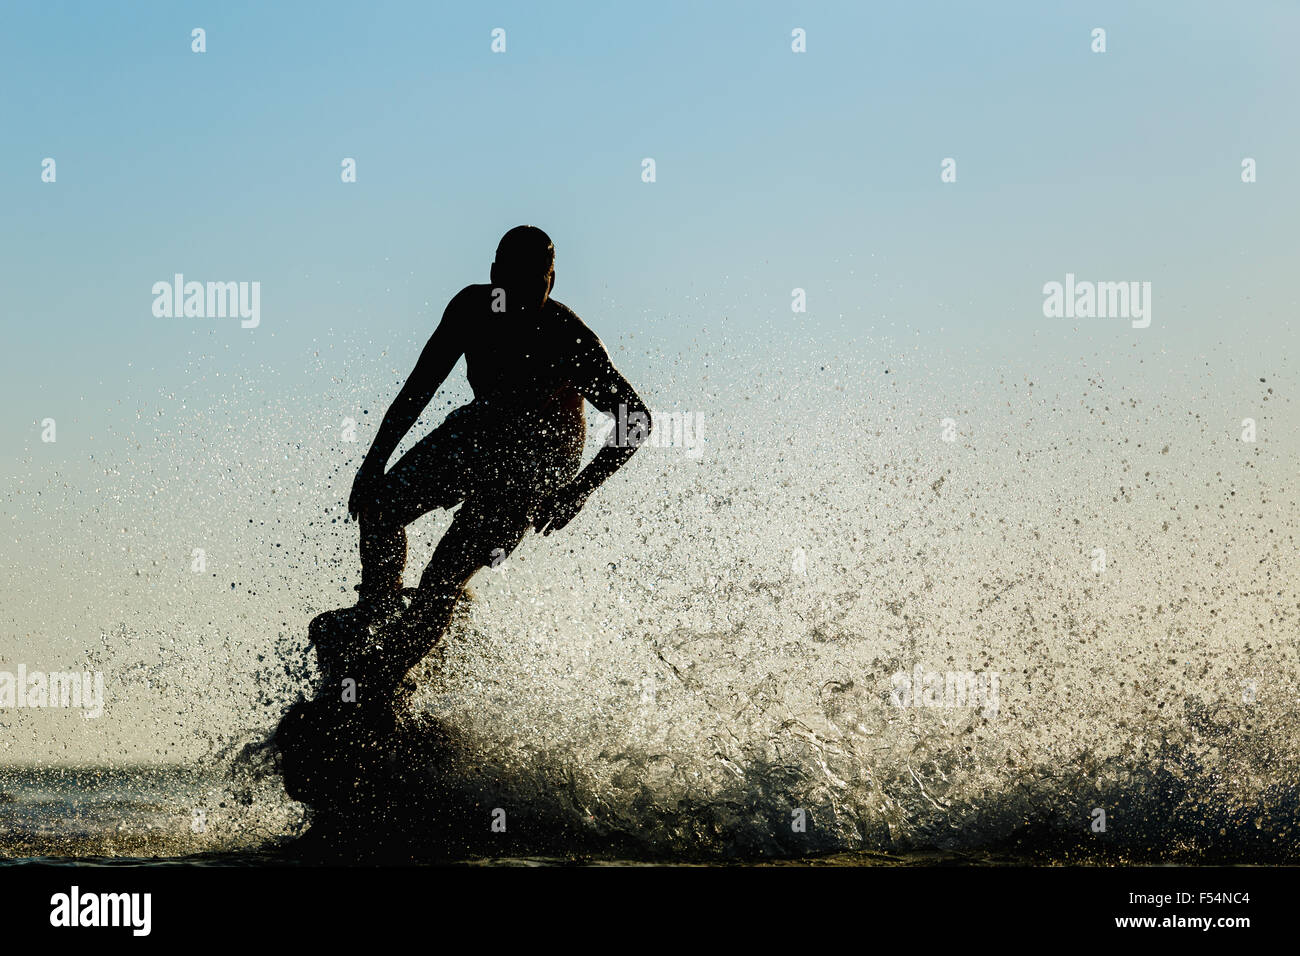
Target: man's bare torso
527,370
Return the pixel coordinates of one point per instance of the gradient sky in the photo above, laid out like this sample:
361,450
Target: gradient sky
775,170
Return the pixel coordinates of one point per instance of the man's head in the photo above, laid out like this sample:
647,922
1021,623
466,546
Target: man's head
524,268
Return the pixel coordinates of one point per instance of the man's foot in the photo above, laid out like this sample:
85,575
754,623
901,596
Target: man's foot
386,604
344,637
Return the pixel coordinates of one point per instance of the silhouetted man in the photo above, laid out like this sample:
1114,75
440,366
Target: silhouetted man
510,457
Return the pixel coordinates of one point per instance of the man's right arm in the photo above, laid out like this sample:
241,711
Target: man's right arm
440,355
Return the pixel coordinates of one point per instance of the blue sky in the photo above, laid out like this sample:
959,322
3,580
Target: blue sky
775,170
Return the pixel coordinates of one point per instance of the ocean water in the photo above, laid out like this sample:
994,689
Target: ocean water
144,816
100,814
709,665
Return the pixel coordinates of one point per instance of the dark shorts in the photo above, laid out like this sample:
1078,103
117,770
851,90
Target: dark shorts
473,456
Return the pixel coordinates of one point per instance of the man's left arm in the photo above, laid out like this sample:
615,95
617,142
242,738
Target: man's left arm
600,383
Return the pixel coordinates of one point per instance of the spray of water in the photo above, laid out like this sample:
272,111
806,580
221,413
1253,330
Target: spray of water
718,657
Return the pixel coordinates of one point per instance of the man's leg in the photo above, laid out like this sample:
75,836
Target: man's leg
479,535
383,553
339,636
429,476
433,474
